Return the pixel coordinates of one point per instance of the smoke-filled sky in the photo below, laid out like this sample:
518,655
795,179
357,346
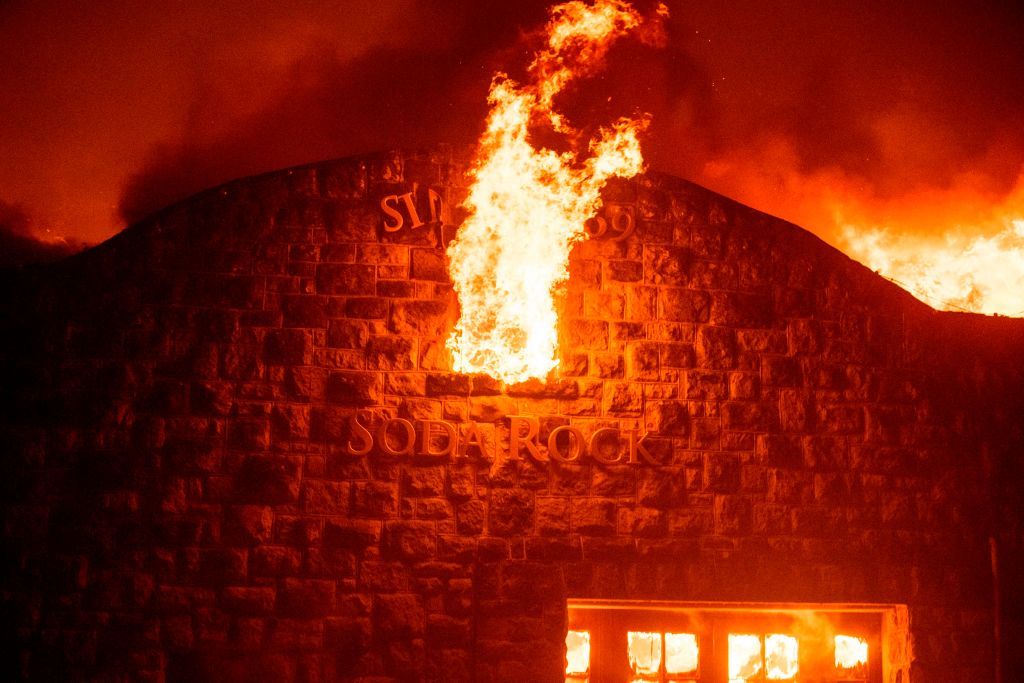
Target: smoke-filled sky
907,115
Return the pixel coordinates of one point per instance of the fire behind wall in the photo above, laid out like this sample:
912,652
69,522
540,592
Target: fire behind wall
181,500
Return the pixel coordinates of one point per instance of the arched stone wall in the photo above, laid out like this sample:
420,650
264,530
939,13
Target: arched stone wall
179,501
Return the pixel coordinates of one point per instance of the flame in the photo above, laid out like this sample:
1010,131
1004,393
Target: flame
956,245
984,274
644,652
577,653
851,652
681,653
744,657
781,658
527,206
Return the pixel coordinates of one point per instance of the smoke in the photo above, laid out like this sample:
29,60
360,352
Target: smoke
900,116
427,88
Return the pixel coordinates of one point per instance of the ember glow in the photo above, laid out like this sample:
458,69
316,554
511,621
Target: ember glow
527,206
851,653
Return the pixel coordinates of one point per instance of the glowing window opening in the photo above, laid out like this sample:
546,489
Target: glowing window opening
658,642
577,655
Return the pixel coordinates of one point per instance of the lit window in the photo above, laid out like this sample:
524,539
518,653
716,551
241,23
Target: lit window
681,655
851,658
577,657
780,660
655,656
780,657
644,655
745,662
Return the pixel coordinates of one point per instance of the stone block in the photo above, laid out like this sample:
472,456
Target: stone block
470,517
307,383
511,512
624,270
290,421
641,303
587,334
306,598
249,600
684,305
325,497
740,309
721,472
391,353
668,418
222,565
552,516
367,307
411,541
420,318
706,386
743,385
399,616
350,279
351,534
429,264
781,371
643,361
347,334
374,499
423,481
609,365
593,516
304,311
716,348
733,516
288,347
405,384
660,488
267,480
751,416
584,273
622,398
603,305
273,561
447,385
642,522
383,254
665,265
248,524
354,388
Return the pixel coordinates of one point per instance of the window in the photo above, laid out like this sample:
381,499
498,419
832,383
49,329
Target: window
851,658
646,661
772,657
722,643
577,657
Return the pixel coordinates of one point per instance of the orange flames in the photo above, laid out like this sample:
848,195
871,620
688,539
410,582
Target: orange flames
955,246
851,652
527,206
577,654
984,274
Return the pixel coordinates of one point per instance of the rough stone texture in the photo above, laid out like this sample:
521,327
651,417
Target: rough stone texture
178,503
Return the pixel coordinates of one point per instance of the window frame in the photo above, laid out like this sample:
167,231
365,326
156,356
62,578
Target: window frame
609,621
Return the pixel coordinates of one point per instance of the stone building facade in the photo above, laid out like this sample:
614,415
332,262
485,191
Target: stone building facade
181,500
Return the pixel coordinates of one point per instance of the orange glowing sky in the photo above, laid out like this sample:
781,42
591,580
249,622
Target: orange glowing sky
906,116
